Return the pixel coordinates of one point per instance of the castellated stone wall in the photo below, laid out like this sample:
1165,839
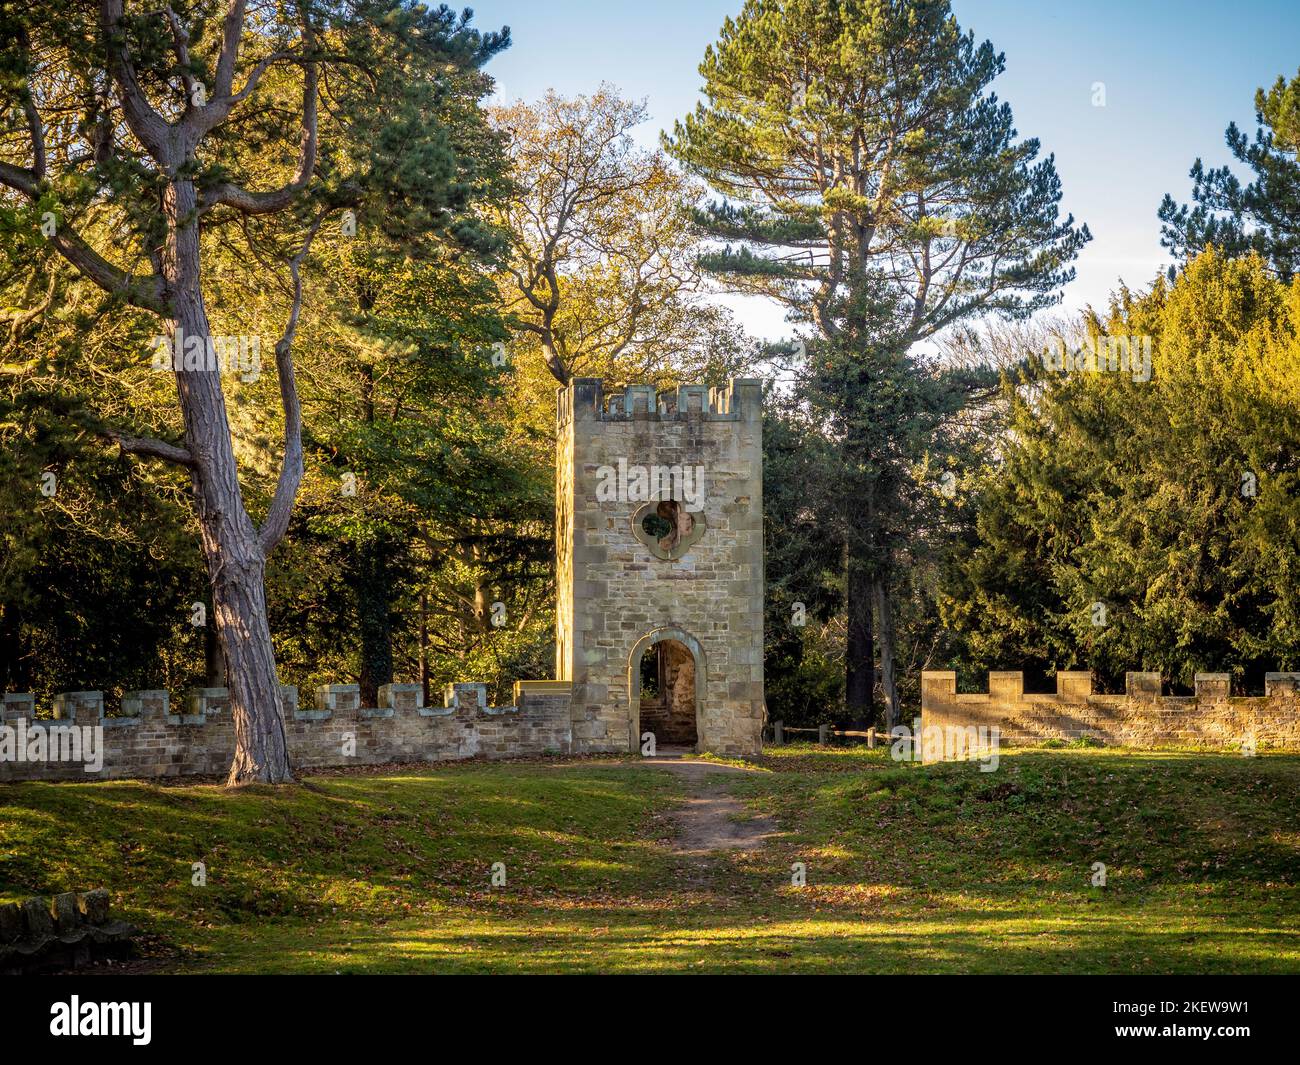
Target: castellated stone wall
621,591
1141,717
149,740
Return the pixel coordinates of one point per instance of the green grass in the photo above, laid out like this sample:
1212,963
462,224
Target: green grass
909,868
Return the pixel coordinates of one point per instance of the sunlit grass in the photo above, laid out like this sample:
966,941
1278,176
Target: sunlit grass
909,868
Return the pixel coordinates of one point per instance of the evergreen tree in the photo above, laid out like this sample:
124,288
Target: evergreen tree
1170,503
874,187
149,138
1262,216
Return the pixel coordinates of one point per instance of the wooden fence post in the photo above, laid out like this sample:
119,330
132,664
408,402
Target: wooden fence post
778,733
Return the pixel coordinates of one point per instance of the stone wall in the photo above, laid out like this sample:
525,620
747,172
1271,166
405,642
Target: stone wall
618,595
1142,717
149,740
67,931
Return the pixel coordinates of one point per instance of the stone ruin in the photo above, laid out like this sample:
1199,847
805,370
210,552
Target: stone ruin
678,572
64,932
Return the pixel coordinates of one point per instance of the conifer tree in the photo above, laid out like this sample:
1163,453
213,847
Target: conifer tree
873,185
145,139
1262,216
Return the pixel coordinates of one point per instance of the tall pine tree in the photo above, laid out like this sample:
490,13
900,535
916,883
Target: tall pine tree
873,186
1262,216
147,135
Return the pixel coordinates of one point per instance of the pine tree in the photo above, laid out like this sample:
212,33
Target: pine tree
148,139
1262,216
873,186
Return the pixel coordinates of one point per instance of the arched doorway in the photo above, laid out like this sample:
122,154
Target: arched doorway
665,689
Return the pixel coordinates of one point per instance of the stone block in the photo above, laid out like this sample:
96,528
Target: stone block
338,697
84,708
1213,686
19,704
401,696
1142,685
64,912
1074,683
150,705
37,918
1278,684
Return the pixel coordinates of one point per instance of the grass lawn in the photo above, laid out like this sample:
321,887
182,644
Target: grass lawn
909,868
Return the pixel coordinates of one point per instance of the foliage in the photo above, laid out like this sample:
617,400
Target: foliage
1260,217
383,871
874,186
1171,502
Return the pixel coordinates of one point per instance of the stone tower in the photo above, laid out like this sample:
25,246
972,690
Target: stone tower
659,547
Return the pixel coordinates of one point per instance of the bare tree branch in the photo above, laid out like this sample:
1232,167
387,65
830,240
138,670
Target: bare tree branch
291,469
241,199
149,446
147,293
231,31
150,128
181,44
34,123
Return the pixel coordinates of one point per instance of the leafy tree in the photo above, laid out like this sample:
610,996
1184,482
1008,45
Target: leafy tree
1170,503
1262,216
874,187
414,497
602,278
146,137
803,555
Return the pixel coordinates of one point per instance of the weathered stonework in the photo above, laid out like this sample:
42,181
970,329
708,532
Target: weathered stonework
621,590
67,931
1142,717
153,742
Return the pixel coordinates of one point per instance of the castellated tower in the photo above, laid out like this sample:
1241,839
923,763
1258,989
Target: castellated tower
659,564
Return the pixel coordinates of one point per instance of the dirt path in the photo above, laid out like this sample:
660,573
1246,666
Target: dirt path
707,819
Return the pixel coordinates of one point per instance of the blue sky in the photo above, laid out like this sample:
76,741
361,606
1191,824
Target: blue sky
1175,73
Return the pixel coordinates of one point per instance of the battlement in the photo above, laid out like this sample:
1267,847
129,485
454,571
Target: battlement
585,400
147,739
1142,717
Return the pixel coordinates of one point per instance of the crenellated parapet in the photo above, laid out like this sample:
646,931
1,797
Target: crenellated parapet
586,399
1142,717
148,739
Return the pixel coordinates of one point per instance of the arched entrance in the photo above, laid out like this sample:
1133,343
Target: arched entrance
665,688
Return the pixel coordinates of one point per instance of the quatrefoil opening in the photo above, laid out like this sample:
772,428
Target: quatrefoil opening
667,528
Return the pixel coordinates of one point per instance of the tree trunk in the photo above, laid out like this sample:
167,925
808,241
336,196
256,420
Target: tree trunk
885,633
214,666
374,617
424,646
859,656
256,705
236,561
